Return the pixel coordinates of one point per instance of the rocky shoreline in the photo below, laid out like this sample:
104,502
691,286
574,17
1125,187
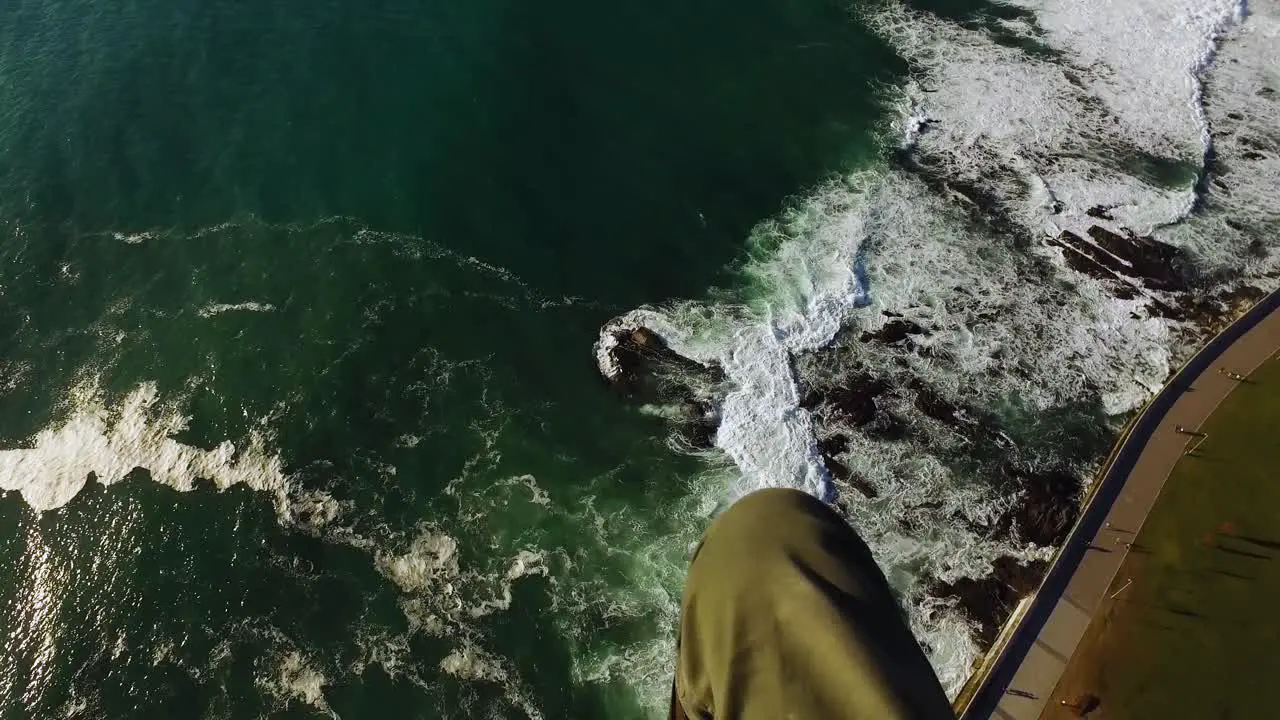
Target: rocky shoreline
896,407
1045,500
864,389
647,370
1047,494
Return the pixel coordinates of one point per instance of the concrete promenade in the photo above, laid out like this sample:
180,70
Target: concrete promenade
1028,667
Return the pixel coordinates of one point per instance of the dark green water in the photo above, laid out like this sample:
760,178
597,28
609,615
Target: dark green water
434,205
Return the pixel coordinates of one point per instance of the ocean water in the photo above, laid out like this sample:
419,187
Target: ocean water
298,404
299,410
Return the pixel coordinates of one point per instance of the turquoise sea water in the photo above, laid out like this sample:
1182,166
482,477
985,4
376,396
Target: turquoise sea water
374,241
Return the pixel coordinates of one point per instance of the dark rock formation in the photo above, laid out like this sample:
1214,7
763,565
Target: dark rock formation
1047,507
899,406
853,400
644,360
698,422
980,199
989,601
831,448
934,405
1159,265
649,371
1211,313
853,404
970,422
1126,261
894,331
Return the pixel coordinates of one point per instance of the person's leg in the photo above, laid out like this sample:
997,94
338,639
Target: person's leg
786,615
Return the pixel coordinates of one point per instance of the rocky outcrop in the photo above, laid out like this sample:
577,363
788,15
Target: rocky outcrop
989,601
1125,262
639,354
851,404
1130,266
832,448
893,332
1210,313
1045,508
1045,501
971,422
853,399
641,365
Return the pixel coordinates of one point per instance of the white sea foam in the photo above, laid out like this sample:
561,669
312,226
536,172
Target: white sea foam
1129,80
429,568
470,663
445,600
136,432
429,565
297,680
473,664
133,238
1242,99
1144,58
213,309
538,496
13,375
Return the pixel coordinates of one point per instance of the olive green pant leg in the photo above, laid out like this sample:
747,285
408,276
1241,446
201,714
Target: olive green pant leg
786,615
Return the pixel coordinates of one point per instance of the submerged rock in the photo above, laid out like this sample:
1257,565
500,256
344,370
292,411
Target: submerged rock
898,406
1046,507
831,448
852,400
1213,312
894,331
1125,261
989,601
698,423
641,365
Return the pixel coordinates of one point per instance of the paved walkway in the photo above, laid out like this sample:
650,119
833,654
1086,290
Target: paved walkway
1024,676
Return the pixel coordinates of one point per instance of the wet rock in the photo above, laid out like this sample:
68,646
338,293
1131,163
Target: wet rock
1082,261
854,400
1159,265
970,422
934,405
979,198
1123,291
1211,313
833,445
1047,507
647,370
989,601
698,425
894,331
1121,260
645,363
889,429
831,448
